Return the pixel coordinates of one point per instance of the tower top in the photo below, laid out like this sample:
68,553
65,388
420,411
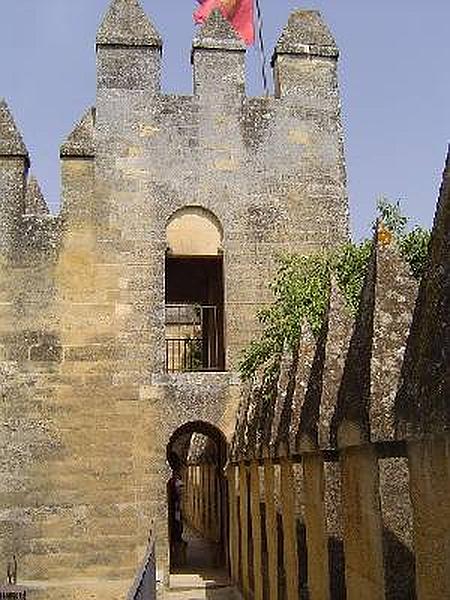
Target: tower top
126,24
11,142
307,33
80,142
218,34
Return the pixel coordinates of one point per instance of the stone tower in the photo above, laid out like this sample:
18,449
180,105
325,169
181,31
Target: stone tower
123,318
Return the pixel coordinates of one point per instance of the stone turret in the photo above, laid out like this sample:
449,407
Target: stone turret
305,58
77,169
128,49
218,58
14,163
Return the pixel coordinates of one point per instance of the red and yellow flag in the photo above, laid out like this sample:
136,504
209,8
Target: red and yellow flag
238,12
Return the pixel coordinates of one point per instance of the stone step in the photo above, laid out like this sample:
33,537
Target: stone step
207,593
190,581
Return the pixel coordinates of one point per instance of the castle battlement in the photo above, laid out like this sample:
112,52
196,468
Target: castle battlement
216,141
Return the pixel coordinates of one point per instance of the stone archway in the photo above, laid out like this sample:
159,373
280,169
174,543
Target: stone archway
194,231
197,500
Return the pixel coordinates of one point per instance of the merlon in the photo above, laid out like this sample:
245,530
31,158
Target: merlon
11,142
307,33
80,142
218,34
35,203
126,24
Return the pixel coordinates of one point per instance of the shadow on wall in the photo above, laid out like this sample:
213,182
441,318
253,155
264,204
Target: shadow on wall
399,568
336,559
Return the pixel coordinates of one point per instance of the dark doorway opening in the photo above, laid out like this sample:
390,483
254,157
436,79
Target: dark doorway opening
194,313
197,502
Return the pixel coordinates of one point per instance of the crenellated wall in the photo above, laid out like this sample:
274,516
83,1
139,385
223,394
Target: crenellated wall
346,451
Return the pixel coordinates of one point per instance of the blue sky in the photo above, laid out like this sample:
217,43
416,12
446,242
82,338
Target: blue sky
394,76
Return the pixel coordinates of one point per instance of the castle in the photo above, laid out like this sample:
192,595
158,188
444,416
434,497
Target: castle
124,317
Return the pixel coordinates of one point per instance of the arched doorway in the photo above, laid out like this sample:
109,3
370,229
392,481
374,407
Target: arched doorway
197,501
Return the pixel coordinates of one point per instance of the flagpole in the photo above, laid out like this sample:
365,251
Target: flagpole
261,46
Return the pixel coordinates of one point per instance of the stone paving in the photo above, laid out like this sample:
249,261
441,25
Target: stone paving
201,577
227,593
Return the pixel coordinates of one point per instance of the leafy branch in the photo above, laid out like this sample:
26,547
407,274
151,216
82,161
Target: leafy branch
302,286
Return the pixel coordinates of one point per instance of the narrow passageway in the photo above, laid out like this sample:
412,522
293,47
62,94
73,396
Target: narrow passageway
202,575
197,512
202,555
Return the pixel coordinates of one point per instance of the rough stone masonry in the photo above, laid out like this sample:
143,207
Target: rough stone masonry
86,405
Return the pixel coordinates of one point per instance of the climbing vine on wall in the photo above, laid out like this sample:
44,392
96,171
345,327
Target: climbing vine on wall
302,287
413,245
414,249
349,265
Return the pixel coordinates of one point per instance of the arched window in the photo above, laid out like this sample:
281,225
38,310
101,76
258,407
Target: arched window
194,292
194,231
